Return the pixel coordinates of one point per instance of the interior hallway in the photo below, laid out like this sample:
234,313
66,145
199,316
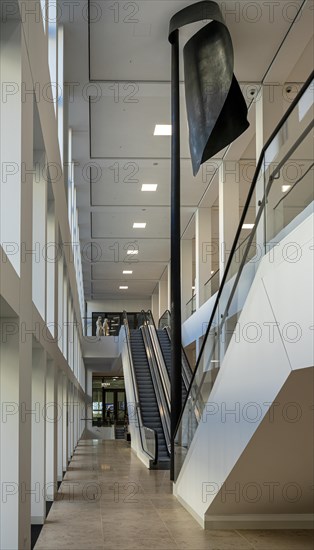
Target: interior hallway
109,500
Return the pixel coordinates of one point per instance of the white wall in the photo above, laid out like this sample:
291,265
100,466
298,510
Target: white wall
273,340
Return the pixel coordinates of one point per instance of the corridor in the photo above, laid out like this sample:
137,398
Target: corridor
109,500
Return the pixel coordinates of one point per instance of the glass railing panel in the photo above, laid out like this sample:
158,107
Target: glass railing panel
292,141
289,197
289,169
165,320
190,307
212,285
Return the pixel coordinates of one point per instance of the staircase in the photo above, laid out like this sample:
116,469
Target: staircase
148,402
165,345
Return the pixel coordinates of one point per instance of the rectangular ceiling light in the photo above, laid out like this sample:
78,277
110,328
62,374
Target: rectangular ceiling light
149,187
139,225
132,252
163,130
123,287
285,188
127,272
248,226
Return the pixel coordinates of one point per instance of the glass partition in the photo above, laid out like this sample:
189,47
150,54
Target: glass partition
278,208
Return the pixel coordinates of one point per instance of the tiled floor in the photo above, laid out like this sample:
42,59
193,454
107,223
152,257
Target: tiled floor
109,500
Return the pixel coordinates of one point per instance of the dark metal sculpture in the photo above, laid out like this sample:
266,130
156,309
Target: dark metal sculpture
217,115
216,109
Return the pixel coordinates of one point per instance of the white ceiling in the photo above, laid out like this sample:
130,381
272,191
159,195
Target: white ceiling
113,120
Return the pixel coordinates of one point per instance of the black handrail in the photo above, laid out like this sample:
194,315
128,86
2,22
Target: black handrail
294,185
211,277
242,219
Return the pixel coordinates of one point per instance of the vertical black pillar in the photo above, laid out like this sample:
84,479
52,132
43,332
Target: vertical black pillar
176,384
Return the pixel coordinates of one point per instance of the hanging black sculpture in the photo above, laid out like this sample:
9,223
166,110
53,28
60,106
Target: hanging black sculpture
217,115
216,109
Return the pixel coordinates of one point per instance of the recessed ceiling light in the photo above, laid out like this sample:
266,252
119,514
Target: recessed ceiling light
149,187
248,226
285,188
163,130
139,225
127,272
132,252
123,287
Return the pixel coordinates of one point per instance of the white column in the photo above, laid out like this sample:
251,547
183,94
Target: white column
38,497
155,305
26,326
51,416
269,110
9,433
203,253
163,293
228,209
75,417
60,426
186,274
65,422
70,420
169,286
39,232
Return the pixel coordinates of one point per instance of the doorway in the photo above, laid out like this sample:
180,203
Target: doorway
114,406
109,401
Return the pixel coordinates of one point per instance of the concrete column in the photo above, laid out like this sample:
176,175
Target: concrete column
229,203
51,416
186,274
203,252
38,496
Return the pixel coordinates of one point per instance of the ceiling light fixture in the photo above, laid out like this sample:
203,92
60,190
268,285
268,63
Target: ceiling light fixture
127,272
149,187
248,226
285,188
139,225
163,130
123,287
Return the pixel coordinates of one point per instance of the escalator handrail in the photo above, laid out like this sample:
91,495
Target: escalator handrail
164,313
158,386
238,232
161,363
136,393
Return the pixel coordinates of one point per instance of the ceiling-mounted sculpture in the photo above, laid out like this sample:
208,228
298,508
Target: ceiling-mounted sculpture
216,109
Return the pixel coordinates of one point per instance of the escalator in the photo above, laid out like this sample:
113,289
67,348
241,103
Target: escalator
147,395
